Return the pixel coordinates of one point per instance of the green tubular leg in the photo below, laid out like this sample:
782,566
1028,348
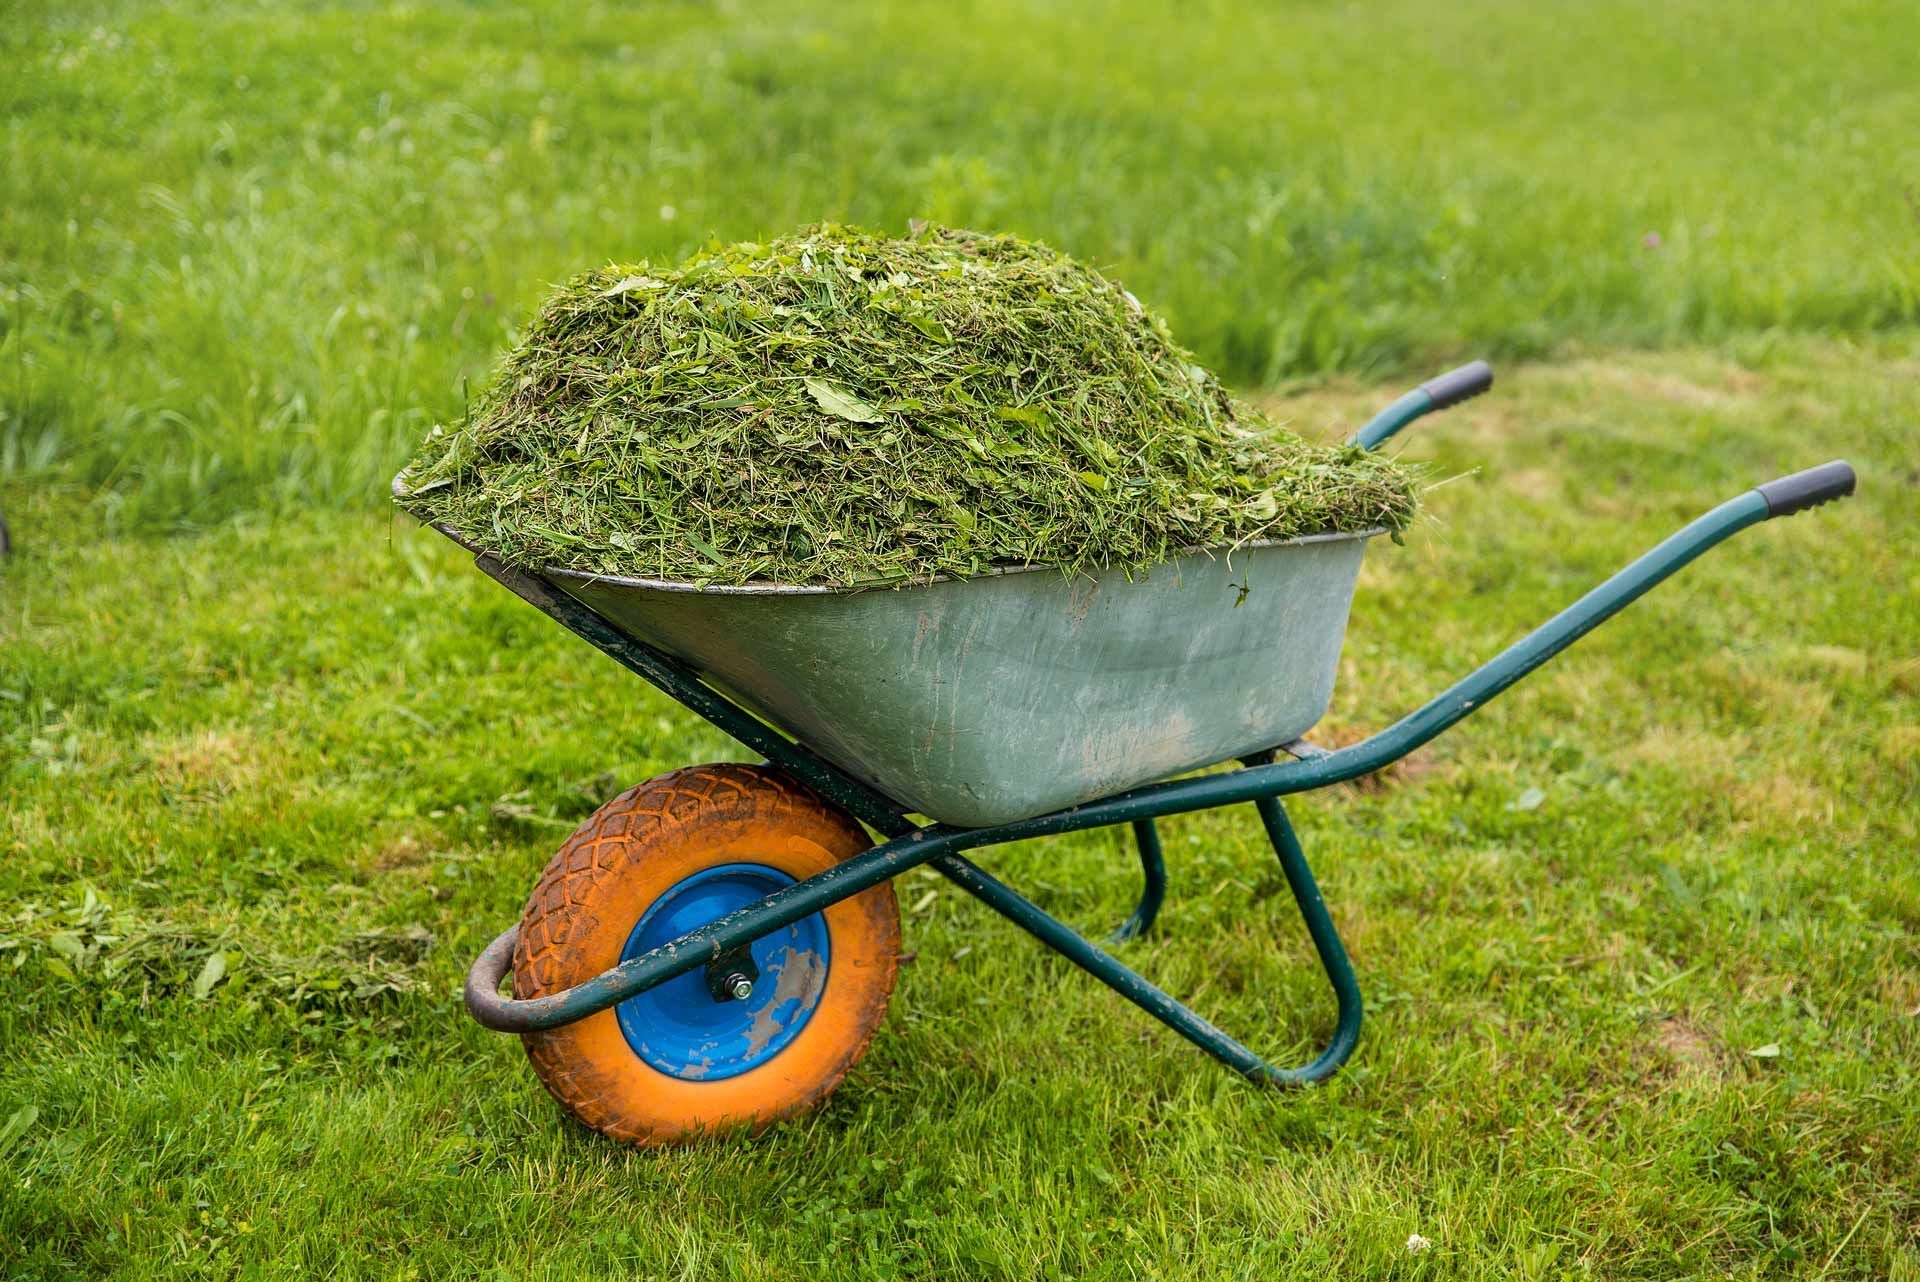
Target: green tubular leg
1023,913
1326,942
1153,871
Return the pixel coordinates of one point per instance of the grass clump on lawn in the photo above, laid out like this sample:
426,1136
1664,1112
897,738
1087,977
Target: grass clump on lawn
841,408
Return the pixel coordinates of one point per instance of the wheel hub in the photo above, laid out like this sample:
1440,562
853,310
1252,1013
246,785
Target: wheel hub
744,1007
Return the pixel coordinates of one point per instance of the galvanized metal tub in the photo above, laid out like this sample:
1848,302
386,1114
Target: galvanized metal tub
984,700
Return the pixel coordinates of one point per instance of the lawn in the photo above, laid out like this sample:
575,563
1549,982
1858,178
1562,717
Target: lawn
1640,941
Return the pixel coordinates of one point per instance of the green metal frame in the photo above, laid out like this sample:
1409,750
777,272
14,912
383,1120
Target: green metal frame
1261,781
1153,884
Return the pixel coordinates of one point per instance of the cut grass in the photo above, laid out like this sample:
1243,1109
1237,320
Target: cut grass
1582,918
843,408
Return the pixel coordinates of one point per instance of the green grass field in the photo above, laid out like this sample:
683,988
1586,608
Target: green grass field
1641,941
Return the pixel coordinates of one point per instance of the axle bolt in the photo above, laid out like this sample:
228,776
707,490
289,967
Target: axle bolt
740,986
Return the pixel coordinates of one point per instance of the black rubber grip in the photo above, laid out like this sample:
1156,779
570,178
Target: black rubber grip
1807,489
1457,385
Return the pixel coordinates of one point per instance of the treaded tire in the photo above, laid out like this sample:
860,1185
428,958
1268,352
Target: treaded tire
610,872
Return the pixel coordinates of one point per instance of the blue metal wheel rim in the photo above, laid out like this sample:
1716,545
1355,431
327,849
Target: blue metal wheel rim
679,1028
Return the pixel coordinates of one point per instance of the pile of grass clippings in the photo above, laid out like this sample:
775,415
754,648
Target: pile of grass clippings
844,408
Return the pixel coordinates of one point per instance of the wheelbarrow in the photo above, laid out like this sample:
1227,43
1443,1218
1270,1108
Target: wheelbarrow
713,949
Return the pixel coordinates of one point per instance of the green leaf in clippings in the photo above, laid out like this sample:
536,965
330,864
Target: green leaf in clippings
929,326
703,547
1031,414
627,284
843,404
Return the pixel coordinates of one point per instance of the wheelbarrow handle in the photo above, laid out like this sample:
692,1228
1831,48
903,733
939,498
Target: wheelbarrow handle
1458,385
1439,393
1782,497
1807,489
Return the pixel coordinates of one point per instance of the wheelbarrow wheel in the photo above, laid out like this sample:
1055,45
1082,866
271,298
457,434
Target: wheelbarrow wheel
746,1040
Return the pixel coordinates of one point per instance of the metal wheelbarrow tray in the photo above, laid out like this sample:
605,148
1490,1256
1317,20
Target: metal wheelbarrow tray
985,700
1024,704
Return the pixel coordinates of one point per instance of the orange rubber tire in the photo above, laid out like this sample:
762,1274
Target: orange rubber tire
611,871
